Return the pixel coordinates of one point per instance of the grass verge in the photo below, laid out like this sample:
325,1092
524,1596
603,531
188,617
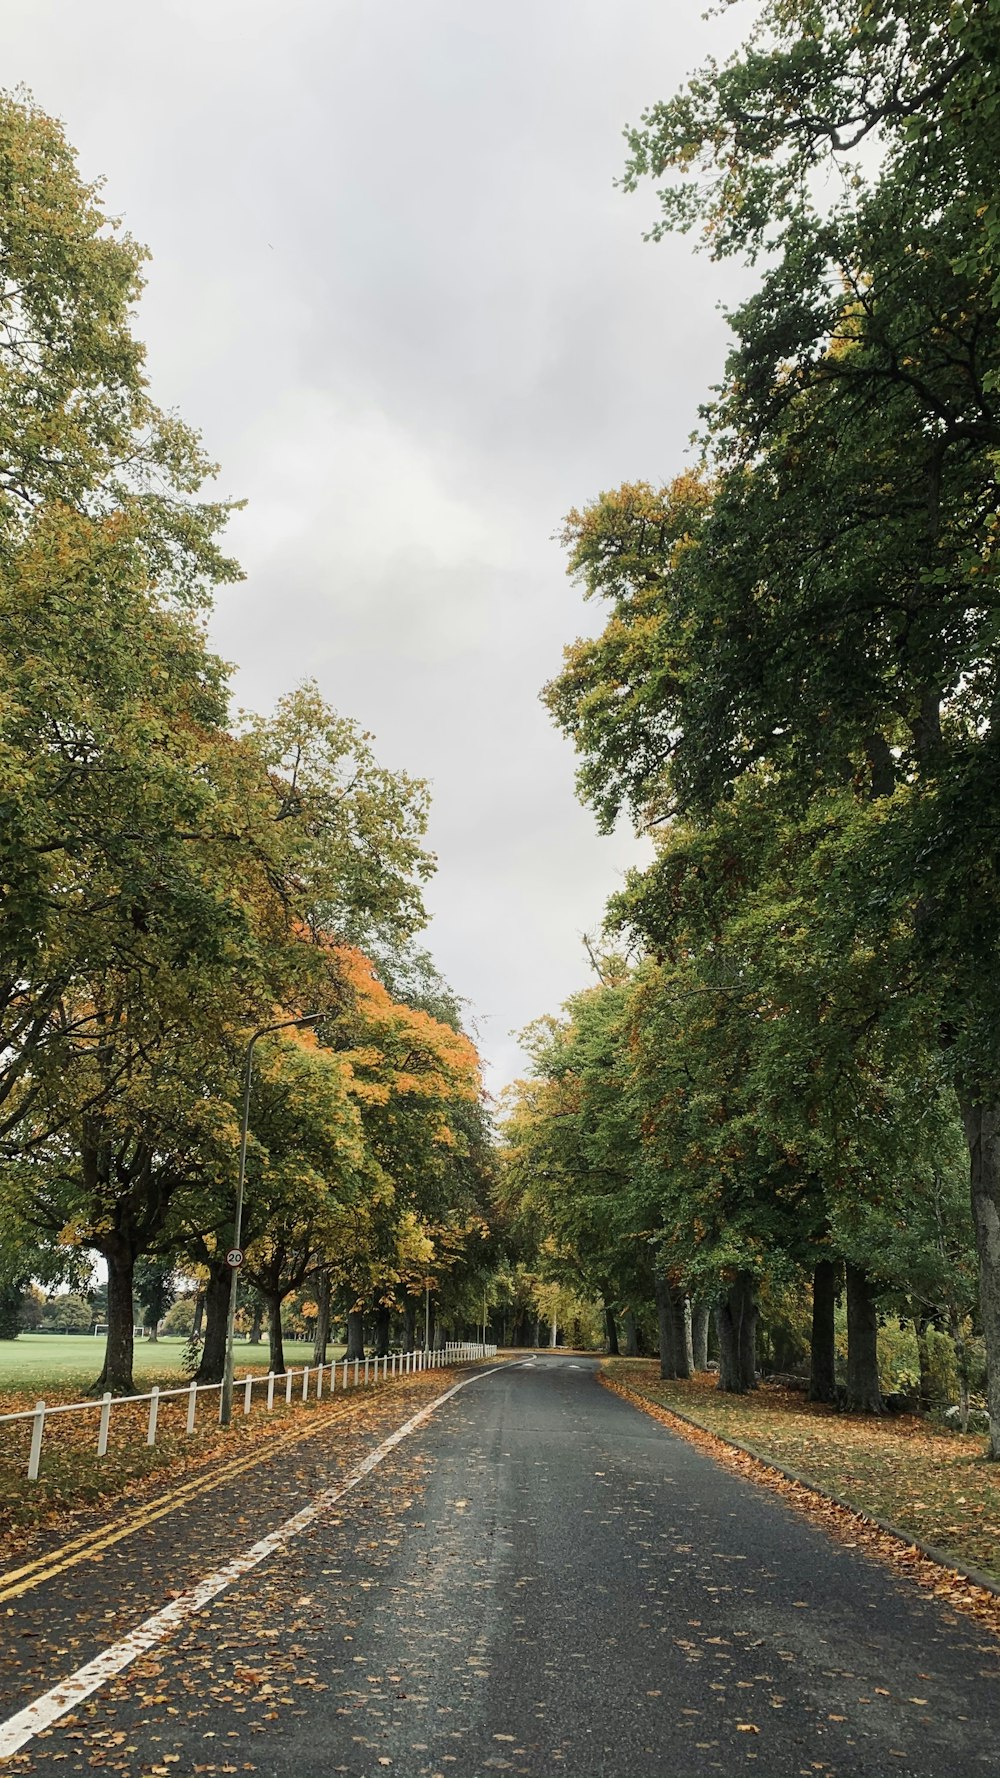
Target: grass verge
932,1485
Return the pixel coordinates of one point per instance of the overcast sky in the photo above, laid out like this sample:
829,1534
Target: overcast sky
394,287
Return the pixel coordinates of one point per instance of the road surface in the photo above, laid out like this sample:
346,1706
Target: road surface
540,1579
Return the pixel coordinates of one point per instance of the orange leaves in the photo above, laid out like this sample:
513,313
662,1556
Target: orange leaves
404,1051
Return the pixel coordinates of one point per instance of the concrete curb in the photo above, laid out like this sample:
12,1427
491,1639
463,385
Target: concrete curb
939,1557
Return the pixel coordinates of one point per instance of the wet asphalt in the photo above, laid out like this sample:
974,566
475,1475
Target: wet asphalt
541,1580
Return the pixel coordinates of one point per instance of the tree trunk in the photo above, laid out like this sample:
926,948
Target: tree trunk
355,1334
631,1334
611,1331
961,1365
275,1338
748,1338
736,1324
116,1373
199,1315
10,1305
822,1350
921,1324
864,1394
382,1330
257,1320
699,1335
678,1304
321,1339
982,1133
213,1353
409,1323
665,1318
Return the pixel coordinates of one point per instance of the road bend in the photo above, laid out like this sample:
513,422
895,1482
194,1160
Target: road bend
536,1579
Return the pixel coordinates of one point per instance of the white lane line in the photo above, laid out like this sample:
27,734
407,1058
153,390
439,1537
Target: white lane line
20,1728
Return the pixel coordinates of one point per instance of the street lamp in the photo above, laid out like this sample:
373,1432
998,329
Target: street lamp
235,1254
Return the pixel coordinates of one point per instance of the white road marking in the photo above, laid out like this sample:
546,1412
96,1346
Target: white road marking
26,1723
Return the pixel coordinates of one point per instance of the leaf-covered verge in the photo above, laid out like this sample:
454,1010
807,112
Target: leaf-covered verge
931,1484
77,1489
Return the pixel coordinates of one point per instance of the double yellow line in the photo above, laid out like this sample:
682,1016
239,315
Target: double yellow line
18,1581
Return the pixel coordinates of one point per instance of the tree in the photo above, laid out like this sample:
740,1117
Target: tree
155,1289
104,551
308,1172
831,617
168,882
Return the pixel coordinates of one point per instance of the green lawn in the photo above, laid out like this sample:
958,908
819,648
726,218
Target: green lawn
61,1361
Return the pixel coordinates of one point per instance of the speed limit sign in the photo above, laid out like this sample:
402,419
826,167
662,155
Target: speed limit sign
234,1257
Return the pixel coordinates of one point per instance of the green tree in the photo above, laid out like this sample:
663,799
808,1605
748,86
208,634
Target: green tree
155,1287
104,552
832,617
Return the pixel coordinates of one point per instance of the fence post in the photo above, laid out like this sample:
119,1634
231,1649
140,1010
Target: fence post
37,1428
394,1364
270,1390
319,1383
288,1388
154,1408
305,1384
333,1376
102,1430
248,1387
366,1369
356,1369
345,1372
192,1406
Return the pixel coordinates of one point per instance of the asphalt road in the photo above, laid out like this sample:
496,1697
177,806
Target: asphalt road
540,1580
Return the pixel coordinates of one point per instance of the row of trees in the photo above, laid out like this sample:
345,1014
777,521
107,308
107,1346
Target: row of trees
796,693
172,880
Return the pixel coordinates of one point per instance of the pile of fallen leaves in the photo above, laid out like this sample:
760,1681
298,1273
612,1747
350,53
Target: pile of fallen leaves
931,1485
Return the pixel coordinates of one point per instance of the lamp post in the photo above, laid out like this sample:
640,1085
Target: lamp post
427,1314
235,1255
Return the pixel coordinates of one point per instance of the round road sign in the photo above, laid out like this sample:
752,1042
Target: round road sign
235,1256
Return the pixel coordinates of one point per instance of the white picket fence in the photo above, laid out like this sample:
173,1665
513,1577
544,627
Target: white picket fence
319,1378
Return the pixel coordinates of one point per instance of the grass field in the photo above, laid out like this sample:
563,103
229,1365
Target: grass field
70,1362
